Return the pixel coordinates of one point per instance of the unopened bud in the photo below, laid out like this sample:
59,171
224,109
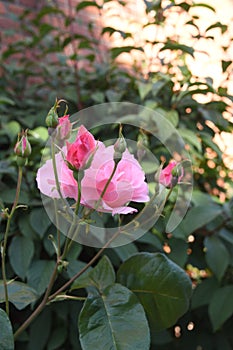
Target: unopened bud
64,128
52,117
23,148
119,146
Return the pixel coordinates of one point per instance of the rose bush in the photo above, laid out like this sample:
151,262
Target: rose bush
127,183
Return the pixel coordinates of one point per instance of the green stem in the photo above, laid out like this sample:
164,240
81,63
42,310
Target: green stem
55,169
48,298
3,248
106,186
69,240
78,274
79,198
68,297
58,231
40,307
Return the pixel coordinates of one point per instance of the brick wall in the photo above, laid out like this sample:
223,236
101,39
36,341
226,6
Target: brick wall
131,18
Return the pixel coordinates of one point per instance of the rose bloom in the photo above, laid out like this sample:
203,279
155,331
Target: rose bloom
79,151
128,183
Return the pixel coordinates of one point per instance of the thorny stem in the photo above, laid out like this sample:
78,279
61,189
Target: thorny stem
3,247
48,298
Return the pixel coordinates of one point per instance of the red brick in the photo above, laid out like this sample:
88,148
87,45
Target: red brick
8,23
28,3
16,9
2,9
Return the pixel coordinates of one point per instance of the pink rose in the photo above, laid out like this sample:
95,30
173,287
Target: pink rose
79,151
46,180
166,175
128,183
64,127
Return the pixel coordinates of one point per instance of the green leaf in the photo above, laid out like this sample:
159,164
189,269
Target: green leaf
203,292
73,267
227,235
20,294
126,251
113,320
6,333
196,218
40,133
8,196
40,331
221,306
6,100
39,221
184,6
101,276
113,96
144,89
57,338
208,141
162,287
12,129
26,228
98,97
173,117
201,198
225,65
39,274
190,137
47,10
152,239
21,251
217,256
116,51
178,252
223,27
176,46
204,5
84,4
111,31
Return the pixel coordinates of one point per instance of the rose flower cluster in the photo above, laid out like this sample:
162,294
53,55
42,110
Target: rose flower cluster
125,182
